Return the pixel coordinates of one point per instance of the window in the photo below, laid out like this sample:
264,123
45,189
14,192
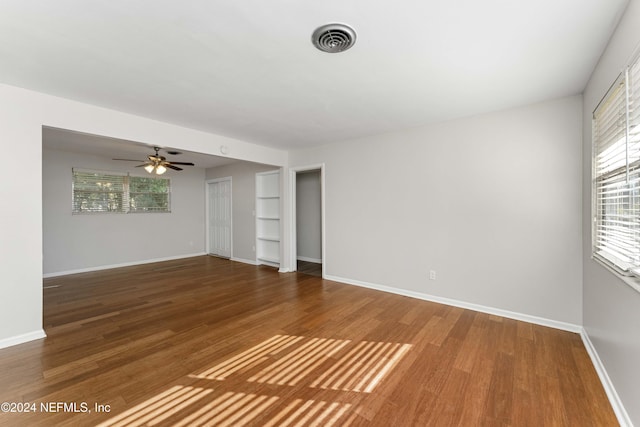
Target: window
616,174
96,192
148,194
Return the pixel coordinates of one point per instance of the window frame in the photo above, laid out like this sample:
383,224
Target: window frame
615,210
149,210
126,198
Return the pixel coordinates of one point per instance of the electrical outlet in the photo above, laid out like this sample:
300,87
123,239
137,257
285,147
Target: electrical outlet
253,248
432,275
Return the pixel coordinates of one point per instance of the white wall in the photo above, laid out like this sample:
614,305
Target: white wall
22,115
611,307
243,187
20,226
308,216
76,242
491,203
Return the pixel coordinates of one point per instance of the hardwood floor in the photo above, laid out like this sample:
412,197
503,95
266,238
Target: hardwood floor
206,341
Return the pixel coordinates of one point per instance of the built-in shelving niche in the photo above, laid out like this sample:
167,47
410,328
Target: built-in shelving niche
268,218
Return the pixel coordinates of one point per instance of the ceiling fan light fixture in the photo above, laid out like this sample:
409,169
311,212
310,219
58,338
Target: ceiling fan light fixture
157,163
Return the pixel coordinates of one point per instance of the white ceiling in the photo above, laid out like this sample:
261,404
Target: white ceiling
247,68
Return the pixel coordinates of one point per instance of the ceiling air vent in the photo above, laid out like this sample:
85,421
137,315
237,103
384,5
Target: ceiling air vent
333,38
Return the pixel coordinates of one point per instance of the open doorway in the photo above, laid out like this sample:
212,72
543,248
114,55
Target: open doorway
308,221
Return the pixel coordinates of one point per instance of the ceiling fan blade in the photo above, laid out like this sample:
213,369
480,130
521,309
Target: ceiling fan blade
182,163
143,165
129,160
170,166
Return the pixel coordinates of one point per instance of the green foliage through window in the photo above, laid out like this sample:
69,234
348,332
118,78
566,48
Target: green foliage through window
148,194
95,192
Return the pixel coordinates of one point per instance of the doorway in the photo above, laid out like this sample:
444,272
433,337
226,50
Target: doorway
219,217
307,215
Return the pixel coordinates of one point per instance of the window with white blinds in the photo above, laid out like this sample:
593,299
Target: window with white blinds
98,192
104,192
148,194
616,139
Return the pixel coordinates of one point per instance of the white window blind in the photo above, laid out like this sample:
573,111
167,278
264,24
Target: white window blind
148,194
99,192
616,136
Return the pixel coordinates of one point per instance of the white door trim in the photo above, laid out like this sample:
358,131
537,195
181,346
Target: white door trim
207,230
293,250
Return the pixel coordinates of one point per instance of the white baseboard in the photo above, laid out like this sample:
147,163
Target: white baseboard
614,399
245,261
270,264
23,338
307,259
248,261
462,304
124,264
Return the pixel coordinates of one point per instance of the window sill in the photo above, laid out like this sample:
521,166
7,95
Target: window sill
119,212
632,281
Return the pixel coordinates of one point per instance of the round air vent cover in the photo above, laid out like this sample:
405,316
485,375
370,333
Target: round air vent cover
333,38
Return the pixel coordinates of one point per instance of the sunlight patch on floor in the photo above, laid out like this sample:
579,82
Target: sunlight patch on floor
309,413
295,366
363,367
249,358
158,408
236,398
230,409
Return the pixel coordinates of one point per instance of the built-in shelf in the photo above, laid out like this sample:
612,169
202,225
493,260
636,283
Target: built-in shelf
268,218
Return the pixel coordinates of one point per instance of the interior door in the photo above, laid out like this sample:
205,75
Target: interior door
220,217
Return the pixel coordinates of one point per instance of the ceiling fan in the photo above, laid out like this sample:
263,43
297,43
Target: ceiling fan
158,164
